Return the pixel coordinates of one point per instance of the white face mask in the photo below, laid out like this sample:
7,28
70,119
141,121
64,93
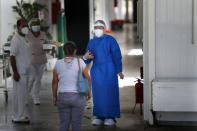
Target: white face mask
98,32
25,30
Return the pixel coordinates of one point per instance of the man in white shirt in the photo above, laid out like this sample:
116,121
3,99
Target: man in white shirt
20,61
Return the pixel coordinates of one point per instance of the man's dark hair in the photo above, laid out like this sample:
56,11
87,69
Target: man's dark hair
69,48
34,21
18,23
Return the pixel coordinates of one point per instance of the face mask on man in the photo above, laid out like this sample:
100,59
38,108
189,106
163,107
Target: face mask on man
98,32
25,30
35,28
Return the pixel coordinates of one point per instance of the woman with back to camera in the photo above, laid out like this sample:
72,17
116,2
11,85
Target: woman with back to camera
70,102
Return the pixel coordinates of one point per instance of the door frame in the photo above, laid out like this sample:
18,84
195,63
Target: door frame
149,48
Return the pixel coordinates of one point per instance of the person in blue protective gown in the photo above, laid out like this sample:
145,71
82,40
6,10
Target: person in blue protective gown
105,53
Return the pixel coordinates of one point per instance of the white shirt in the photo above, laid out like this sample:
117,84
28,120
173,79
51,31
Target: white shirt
68,74
20,48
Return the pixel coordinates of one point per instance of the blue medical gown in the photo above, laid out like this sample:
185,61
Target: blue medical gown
107,64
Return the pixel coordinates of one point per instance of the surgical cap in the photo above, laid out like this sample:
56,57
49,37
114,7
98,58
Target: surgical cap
99,23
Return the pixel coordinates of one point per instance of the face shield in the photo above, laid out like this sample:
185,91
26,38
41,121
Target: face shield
99,28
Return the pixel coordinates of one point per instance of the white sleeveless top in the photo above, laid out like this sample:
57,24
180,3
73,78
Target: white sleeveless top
68,74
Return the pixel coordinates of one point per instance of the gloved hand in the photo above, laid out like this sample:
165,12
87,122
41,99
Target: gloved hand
88,55
121,75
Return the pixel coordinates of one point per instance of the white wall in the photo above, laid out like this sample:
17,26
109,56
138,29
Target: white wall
120,10
140,19
176,56
62,4
47,14
168,49
1,72
91,15
0,26
149,55
8,19
105,11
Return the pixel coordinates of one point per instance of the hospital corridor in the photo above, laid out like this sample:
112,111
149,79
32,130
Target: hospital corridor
137,58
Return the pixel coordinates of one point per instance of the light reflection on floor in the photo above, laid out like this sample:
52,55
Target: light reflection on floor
132,53
127,81
135,52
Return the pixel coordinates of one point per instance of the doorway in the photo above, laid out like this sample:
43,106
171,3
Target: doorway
129,37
